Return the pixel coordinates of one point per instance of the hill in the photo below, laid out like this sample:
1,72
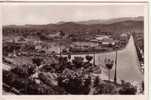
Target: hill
115,26
111,21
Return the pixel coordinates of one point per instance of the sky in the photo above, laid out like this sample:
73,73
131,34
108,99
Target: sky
21,14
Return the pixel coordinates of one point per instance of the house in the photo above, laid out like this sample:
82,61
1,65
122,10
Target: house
107,42
38,47
54,35
85,44
124,36
101,37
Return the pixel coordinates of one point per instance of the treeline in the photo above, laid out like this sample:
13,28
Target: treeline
71,27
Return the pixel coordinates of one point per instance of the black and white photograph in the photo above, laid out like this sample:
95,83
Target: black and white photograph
73,49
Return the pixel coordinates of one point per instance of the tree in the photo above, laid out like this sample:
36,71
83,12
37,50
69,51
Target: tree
62,63
109,65
69,57
142,86
87,84
105,88
89,58
62,41
96,81
37,61
62,34
127,89
25,70
77,62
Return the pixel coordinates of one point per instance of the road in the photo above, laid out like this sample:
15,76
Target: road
127,63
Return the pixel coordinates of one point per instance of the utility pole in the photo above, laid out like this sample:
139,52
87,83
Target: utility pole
115,74
60,49
93,57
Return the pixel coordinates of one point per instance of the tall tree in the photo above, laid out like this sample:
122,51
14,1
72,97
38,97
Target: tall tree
109,65
89,58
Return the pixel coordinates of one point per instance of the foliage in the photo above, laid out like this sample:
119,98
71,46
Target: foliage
62,64
24,70
105,88
75,85
62,34
48,68
109,63
78,62
14,80
89,58
74,80
48,78
69,56
37,61
96,81
27,85
127,89
142,86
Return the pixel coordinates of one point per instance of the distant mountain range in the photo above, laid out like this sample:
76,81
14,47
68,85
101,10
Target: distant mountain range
91,26
95,21
108,21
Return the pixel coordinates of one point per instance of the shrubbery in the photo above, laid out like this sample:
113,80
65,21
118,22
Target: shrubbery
24,70
106,88
70,77
128,89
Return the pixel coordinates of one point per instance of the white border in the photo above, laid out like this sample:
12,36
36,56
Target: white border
77,0
88,97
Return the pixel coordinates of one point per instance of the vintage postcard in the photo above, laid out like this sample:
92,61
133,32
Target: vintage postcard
73,50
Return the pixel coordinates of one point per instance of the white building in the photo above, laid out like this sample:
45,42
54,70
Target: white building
54,35
107,42
101,37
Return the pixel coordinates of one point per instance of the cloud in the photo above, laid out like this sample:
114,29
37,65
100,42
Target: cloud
44,14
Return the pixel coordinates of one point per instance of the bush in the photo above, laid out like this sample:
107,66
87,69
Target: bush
105,88
128,89
37,89
78,62
24,70
14,80
89,58
37,61
25,85
74,83
96,81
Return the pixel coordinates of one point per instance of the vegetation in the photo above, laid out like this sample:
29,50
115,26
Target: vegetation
73,28
52,74
109,64
139,43
73,77
127,89
106,88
